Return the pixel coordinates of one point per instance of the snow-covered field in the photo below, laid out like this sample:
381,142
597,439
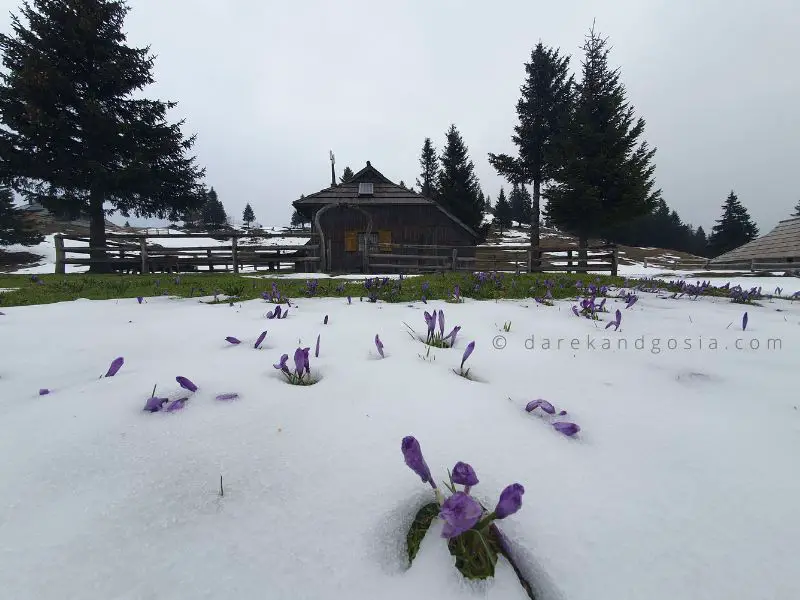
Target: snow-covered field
681,484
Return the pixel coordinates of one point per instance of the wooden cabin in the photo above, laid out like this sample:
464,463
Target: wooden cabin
390,214
777,250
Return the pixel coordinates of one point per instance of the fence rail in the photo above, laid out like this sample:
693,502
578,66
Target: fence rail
133,253
754,265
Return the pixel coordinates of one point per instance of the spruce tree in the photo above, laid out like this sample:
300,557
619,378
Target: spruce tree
248,216
520,200
733,229
214,216
796,212
13,227
458,186
543,110
77,135
127,224
606,174
700,243
347,175
502,211
487,207
429,177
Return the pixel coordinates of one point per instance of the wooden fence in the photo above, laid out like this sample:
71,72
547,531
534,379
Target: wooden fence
135,253
703,264
411,258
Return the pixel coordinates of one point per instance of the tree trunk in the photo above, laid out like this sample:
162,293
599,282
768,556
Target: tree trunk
97,233
583,245
535,209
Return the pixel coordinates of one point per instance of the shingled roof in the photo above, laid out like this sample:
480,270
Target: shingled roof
781,243
384,192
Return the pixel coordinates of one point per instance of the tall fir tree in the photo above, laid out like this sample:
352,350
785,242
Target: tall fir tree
214,216
458,186
700,243
248,216
520,201
606,174
733,229
77,135
543,110
14,229
502,211
429,177
347,175
796,212
487,207
297,219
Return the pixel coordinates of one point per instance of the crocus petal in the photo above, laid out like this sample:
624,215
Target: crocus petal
379,345
575,310
116,365
270,315
325,322
460,513
154,404
186,384
232,340
470,347
277,312
412,454
281,364
176,404
316,350
547,407
299,362
306,364
533,405
44,392
744,321
229,396
139,299
285,314
568,429
260,339
441,322
510,501
349,299
464,474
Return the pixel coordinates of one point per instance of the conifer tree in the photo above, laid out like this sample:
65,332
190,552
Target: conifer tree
429,177
543,110
13,227
733,229
127,224
520,200
796,212
502,211
347,175
214,216
76,134
458,187
248,216
606,174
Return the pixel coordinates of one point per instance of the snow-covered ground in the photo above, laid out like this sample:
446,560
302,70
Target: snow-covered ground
681,484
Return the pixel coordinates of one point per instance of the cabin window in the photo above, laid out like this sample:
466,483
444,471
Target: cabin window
373,240
380,240
351,241
365,189
385,240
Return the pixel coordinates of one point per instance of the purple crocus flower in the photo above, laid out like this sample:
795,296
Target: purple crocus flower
155,404
470,347
379,345
575,310
744,322
543,404
316,350
602,304
441,322
349,300
325,321
460,513
510,501
631,301
616,322
568,429
299,362
562,413
232,340
260,340
229,396
464,474
270,315
452,335
412,454
277,312
176,404
139,299
44,392
281,364
185,383
285,314
306,364
115,366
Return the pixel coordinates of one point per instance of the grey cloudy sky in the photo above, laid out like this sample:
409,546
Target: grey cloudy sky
271,86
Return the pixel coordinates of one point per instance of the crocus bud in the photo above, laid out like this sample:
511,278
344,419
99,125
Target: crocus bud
510,501
412,453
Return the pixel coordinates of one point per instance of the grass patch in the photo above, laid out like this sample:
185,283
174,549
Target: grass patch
47,289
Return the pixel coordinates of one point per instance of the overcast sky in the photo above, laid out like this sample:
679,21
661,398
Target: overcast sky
271,86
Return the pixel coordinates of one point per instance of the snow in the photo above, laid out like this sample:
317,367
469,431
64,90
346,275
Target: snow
678,486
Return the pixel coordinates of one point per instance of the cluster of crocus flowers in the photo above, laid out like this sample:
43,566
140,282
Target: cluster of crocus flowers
311,287
301,375
278,313
157,404
567,428
438,338
460,511
741,296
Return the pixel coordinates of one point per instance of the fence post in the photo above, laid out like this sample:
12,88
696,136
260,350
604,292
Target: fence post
569,261
455,259
365,257
752,263
210,264
234,248
328,260
530,260
143,252
61,268
614,261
